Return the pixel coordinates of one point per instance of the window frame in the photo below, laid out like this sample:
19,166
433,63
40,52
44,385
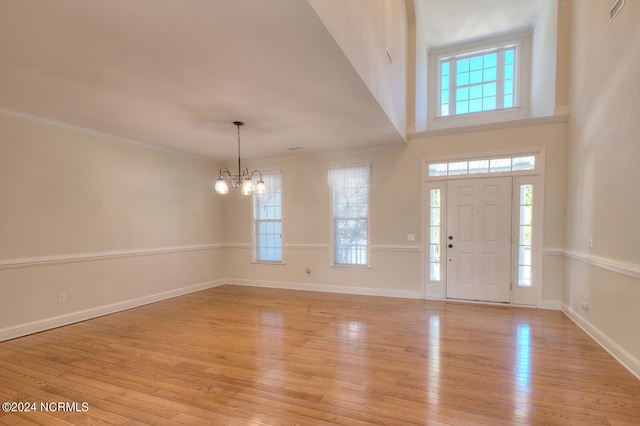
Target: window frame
333,219
499,48
256,222
520,295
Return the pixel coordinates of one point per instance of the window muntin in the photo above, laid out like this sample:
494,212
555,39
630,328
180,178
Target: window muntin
525,232
267,219
350,196
435,243
492,165
478,81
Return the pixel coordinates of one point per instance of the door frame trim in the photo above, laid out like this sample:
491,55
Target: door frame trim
437,289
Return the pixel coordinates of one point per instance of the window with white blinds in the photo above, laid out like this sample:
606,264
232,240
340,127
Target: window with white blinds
350,196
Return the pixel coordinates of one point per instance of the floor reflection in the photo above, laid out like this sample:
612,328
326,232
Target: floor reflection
523,369
434,359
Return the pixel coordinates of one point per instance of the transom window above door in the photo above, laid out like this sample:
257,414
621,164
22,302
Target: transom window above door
483,165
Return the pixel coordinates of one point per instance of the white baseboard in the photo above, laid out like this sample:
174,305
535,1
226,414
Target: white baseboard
627,360
325,288
553,305
70,318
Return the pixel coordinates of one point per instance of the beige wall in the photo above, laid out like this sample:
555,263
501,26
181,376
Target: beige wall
102,221
544,42
396,211
603,203
363,30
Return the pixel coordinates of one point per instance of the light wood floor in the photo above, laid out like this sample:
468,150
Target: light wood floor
248,356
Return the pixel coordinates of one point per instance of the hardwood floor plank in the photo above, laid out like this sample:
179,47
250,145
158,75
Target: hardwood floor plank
253,356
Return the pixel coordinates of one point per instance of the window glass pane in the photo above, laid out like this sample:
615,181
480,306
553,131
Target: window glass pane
445,83
526,195
479,166
508,57
462,79
459,168
462,107
475,77
351,241
438,169
490,60
489,103
524,163
444,110
475,105
445,68
524,255
508,101
475,63
462,66
524,276
525,215
434,233
525,235
462,94
434,198
508,72
475,92
508,87
489,74
500,165
489,89
435,216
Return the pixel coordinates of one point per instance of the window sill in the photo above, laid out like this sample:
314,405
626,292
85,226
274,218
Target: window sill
340,266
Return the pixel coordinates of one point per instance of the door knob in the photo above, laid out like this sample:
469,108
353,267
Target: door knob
450,246
451,237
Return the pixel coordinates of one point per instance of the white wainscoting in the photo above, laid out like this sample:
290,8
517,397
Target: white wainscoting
19,330
70,318
632,270
630,362
29,262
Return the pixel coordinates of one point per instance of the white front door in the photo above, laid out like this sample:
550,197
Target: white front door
478,239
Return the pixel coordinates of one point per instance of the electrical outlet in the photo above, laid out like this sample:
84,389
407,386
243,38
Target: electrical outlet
585,305
62,299
411,237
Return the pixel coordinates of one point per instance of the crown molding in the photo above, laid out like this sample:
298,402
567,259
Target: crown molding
102,135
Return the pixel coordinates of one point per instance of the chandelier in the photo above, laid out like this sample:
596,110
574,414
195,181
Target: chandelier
244,178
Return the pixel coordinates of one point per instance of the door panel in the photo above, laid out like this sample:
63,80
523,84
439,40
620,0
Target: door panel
478,249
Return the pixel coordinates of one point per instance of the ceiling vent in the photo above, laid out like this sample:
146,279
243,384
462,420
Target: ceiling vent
615,9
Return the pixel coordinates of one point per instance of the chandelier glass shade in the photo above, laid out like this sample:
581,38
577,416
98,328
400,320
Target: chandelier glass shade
244,178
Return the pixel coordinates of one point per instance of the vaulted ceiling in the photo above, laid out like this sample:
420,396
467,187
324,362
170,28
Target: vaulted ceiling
177,73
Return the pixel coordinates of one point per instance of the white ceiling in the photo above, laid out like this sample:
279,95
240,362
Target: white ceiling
451,22
177,73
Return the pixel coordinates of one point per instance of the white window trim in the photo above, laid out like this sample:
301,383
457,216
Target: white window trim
254,257
519,295
523,76
332,245
499,48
